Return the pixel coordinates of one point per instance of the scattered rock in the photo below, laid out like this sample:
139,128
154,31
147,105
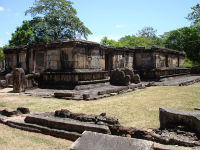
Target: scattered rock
63,94
86,96
113,94
150,84
118,77
3,83
103,114
124,77
136,79
64,113
23,110
9,112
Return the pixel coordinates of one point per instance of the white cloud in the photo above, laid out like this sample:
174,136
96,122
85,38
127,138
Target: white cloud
97,38
118,26
1,8
1,44
7,33
9,10
16,14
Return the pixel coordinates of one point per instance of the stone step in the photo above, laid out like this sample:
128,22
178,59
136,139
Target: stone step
65,124
44,130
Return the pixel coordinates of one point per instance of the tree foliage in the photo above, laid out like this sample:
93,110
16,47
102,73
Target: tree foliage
105,41
1,54
56,19
194,16
146,37
133,41
52,20
185,39
23,35
149,32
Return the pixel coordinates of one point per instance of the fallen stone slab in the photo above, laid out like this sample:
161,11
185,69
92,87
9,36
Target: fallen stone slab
20,124
97,141
171,118
67,124
197,108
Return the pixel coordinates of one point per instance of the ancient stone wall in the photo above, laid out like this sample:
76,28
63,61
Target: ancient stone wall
89,58
15,57
144,60
122,60
157,58
84,56
66,59
181,61
53,59
22,60
173,61
11,61
164,60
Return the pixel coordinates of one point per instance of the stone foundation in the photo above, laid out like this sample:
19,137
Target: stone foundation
162,73
68,80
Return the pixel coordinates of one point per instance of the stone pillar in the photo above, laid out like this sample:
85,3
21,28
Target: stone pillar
18,80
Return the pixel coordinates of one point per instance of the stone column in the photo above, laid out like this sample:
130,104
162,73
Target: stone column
18,80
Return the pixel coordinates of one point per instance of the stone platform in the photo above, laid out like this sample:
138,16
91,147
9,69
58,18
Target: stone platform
69,80
85,92
180,80
183,80
160,73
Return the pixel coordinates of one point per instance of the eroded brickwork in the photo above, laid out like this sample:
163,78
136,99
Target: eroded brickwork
78,61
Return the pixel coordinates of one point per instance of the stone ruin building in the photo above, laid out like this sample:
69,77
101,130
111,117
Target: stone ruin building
67,63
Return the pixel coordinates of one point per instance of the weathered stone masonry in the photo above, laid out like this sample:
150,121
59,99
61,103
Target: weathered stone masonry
75,62
159,62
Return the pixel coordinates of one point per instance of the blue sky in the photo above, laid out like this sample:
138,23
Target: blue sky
111,18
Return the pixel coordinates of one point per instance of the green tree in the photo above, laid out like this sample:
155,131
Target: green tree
133,41
136,41
56,19
105,41
1,54
23,35
149,32
194,16
185,39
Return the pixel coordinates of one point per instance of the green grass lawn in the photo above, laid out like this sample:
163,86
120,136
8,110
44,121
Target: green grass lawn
137,109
